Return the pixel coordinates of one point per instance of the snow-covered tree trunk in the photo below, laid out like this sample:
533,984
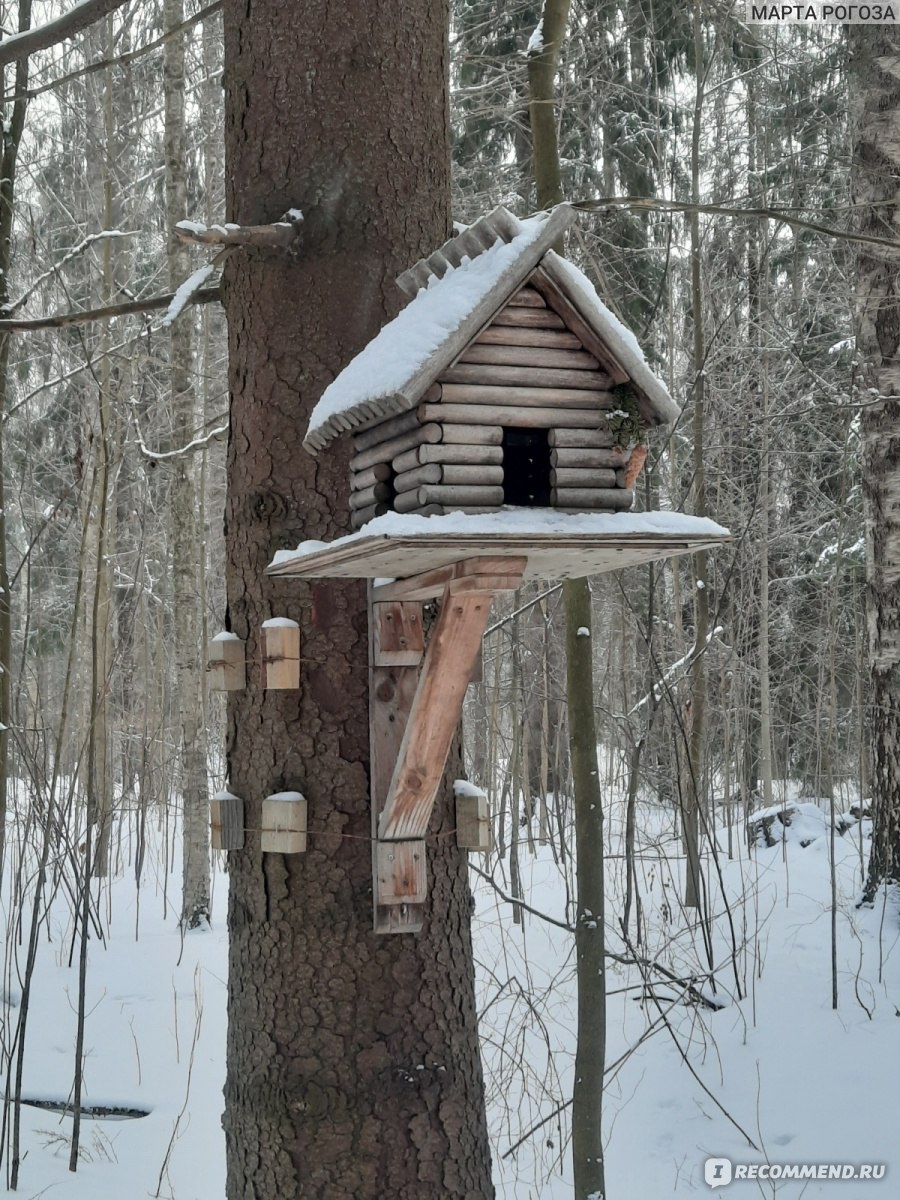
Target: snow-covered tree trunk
353,1059
184,506
875,79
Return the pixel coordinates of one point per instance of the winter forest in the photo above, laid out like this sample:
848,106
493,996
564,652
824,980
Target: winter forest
673,965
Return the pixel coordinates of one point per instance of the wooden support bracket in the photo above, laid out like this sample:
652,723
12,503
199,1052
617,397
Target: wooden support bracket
414,714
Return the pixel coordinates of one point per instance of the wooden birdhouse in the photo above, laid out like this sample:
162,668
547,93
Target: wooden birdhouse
498,427
504,382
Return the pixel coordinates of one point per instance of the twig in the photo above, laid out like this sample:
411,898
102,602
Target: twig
64,320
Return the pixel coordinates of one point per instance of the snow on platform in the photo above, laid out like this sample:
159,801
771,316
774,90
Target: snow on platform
557,545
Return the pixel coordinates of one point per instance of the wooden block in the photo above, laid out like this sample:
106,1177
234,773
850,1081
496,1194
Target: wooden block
473,817
280,647
226,821
226,664
583,477
400,872
591,499
399,637
284,823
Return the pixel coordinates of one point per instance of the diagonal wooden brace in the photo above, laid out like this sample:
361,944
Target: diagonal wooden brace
452,653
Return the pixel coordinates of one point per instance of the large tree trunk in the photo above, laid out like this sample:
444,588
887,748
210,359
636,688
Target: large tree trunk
876,169
353,1067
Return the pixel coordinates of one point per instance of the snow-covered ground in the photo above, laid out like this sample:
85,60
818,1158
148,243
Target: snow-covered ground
805,1083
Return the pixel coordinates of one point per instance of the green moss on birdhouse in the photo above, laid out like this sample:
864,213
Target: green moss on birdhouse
625,421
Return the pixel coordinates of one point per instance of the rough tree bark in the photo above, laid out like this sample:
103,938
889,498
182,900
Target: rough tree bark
353,1065
875,112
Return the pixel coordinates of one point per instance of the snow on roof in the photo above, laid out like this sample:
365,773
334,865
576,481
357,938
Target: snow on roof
606,324
391,373
456,292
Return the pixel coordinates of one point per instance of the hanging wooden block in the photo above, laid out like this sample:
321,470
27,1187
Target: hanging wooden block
280,654
226,665
226,821
473,817
399,639
284,823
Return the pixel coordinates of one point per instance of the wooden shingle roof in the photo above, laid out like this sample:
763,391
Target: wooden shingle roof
456,292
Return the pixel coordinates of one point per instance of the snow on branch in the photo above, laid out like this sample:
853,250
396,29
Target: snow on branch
79,17
197,443
683,665
186,292
65,319
279,233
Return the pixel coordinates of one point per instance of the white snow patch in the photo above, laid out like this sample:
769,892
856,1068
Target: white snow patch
280,623
225,636
516,521
536,41
844,344
582,631
462,787
192,284
285,797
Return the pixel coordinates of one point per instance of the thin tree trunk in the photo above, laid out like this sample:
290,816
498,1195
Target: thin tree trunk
185,549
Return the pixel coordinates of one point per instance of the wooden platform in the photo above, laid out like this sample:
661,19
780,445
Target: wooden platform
550,555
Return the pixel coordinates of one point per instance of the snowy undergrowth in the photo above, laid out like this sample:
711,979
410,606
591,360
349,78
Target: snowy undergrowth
804,1082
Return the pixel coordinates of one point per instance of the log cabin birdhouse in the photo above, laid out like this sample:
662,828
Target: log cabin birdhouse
504,382
498,425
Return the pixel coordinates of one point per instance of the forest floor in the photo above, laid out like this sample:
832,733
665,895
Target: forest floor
770,1060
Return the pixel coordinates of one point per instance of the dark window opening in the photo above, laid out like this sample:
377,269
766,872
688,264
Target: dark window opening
526,468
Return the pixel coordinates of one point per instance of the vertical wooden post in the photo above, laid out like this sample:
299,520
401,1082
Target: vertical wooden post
226,665
280,646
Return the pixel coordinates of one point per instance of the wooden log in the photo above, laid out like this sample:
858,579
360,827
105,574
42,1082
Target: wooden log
427,510
622,479
590,499
478,473
472,435
499,376
280,649
383,432
284,823
226,821
574,321
582,438
385,451
488,455
380,473
360,516
407,502
529,356
435,493
371,495
226,665
527,297
406,481
430,585
528,318
530,397
512,335
615,456
526,418
583,477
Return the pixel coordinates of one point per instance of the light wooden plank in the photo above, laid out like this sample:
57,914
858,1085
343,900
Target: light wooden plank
452,649
398,634
527,297
226,665
528,318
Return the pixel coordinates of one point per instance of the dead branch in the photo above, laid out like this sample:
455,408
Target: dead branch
279,234
63,320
